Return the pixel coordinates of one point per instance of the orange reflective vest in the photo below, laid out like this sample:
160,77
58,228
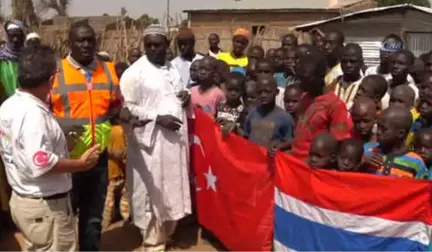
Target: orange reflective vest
78,102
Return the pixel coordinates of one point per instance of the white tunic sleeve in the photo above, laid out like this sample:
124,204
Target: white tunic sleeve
131,91
141,97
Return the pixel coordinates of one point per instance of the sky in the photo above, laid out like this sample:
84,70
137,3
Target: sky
135,8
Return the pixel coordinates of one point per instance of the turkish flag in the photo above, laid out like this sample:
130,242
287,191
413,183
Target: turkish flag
234,188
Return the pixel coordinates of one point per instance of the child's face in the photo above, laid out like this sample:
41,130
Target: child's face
255,54
387,134
251,70
398,98
194,71
270,53
251,93
423,147
292,100
205,72
425,108
267,92
366,89
425,85
234,90
264,69
364,121
349,158
169,54
279,60
289,61
320,156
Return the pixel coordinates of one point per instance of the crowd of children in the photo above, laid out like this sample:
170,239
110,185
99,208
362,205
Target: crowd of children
374,120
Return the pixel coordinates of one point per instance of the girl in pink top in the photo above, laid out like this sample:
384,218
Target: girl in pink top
207,95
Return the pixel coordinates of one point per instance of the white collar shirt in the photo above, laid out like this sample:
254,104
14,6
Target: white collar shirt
31,143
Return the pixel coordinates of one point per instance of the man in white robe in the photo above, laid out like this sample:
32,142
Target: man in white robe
158,158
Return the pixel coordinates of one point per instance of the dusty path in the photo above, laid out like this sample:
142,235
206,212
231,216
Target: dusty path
126,237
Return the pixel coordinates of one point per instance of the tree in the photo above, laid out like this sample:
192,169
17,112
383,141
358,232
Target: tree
424,3
145,20
24,10
59,6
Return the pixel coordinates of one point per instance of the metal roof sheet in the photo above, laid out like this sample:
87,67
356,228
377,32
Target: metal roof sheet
372,10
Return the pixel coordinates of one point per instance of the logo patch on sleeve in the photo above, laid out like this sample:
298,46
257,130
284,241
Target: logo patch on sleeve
40,159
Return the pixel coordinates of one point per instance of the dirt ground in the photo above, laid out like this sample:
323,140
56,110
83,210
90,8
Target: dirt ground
125,237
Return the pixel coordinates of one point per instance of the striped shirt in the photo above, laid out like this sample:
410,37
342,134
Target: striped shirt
347,92
406,165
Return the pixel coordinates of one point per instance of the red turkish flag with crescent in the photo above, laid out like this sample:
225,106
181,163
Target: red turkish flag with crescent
234,188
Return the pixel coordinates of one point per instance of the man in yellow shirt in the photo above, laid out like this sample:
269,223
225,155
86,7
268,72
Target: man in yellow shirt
237,58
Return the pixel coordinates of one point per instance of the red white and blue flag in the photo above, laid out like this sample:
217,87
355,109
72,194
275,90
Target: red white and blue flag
318,210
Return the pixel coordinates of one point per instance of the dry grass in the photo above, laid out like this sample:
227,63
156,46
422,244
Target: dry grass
116,41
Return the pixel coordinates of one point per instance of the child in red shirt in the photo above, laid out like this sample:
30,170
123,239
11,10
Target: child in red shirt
320,111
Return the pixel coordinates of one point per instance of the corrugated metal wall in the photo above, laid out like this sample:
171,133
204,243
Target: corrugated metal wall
370,48
419,42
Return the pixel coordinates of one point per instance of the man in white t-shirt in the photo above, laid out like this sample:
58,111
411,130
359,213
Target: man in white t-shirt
186,43
35,154
400,64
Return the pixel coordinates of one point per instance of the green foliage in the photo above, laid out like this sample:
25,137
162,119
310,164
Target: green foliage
424,3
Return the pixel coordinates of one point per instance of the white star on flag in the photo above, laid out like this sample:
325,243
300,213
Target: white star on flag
211,179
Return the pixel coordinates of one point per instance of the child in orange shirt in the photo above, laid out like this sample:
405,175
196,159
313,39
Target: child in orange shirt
116,176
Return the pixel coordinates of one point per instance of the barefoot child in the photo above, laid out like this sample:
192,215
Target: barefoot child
323,151
267,124
232,113
389,156
207,95
350,155
364,115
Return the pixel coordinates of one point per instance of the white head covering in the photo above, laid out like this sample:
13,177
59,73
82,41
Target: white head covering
155,29
33,35
12,26
103,53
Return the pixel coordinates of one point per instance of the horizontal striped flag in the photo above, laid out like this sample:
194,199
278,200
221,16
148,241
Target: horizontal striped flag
317,210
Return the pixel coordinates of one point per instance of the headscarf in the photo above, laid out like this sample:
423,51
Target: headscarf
242,32
32,35
155,29
7,52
